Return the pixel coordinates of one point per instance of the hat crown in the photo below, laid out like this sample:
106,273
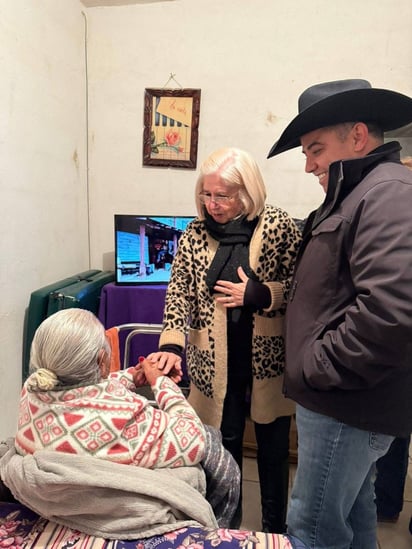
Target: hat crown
318,92
351,100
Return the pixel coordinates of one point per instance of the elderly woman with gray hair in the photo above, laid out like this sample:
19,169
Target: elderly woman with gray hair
71,403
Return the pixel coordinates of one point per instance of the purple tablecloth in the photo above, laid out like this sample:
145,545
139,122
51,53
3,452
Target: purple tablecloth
124,304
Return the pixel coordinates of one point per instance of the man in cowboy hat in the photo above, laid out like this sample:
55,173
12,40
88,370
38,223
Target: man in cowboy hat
349,317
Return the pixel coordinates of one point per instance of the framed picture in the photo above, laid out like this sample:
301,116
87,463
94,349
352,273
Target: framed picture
171,123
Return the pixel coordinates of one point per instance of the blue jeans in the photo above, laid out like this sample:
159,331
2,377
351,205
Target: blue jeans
332,501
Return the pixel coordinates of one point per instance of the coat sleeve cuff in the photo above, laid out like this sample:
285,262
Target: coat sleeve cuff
277,293
172,337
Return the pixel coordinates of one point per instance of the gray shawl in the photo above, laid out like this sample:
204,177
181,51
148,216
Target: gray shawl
106,499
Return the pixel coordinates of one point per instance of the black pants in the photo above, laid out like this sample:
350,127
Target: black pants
391,472
272,455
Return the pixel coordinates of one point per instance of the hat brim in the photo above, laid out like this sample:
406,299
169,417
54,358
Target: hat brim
388,109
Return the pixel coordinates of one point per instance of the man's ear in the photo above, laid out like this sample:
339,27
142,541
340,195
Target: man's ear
360,135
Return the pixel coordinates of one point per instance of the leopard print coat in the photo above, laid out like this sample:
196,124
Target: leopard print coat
193,316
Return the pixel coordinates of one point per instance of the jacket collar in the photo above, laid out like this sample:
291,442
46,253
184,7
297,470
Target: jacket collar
345,175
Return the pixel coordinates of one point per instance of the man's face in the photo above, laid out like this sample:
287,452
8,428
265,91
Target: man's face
324,146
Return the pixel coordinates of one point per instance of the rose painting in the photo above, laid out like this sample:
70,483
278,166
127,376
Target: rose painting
172,141
171,127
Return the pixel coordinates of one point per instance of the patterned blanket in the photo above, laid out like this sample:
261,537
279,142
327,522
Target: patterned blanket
21,528
107,499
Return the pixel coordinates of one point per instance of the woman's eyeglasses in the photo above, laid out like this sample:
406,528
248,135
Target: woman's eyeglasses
206,198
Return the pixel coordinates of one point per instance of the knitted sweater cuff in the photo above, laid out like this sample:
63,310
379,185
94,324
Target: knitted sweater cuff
277,292
172,337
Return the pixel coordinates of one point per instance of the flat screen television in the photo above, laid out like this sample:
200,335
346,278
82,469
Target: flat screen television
145,247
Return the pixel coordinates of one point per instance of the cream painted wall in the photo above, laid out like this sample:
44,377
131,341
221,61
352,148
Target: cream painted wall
43,204
251,61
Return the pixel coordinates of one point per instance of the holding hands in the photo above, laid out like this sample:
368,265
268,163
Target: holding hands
155,365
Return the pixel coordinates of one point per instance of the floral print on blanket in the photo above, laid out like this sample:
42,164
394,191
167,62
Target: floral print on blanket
14,529
204,538
20,528
215,537
195,538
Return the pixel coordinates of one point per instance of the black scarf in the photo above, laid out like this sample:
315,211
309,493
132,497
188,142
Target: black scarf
233,251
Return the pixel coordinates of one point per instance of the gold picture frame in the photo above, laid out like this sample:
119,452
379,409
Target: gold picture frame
171,124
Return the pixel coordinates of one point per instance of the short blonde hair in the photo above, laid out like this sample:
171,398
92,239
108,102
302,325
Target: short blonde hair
65,350
238,170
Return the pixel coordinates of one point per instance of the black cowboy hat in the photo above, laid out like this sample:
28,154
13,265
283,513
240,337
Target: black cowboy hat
340,101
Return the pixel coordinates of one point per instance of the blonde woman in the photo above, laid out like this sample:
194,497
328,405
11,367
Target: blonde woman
227,293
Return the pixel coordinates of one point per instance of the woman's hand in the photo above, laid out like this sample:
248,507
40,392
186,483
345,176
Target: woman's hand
234,292
139,378
151,371
170,364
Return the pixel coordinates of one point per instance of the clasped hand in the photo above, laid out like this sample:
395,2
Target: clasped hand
155,365
164,363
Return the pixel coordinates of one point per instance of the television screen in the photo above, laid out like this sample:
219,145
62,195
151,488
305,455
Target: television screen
145,247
